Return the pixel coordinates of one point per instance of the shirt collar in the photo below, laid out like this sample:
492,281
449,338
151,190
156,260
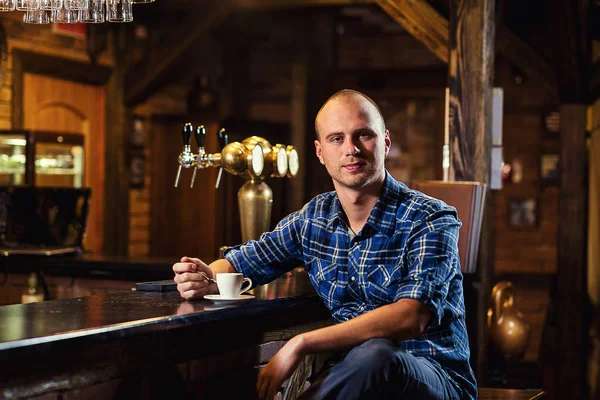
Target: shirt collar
336,214
383,216
379,220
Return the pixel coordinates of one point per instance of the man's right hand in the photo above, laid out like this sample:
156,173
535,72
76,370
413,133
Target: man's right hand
191,283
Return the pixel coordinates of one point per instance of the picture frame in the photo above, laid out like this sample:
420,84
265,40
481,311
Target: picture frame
137,168
550,169
523,212
137,159
77,31
550,120
137,137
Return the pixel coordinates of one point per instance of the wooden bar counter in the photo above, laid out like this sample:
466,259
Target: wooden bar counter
142,344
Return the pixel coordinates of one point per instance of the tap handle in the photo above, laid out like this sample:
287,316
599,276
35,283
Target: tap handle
223,139
178,177
200,135
193,177
186,133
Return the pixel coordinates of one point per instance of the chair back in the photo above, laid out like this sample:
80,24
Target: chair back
468,198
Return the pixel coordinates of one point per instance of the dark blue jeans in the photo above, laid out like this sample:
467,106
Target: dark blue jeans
379,369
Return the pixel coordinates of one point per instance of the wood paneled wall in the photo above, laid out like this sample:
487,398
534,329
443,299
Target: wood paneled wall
38,39
43,40
140,203
526,255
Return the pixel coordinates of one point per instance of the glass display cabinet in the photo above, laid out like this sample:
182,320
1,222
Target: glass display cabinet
13,157
41,158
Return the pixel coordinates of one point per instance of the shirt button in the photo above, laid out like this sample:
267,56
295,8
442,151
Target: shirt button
387,279
353,278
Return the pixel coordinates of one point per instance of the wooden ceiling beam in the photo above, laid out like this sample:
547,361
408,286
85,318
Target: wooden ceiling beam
282,4
422,21
569,30
157,68
427,26
520,54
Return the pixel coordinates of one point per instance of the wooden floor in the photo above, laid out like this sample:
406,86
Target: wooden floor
509,394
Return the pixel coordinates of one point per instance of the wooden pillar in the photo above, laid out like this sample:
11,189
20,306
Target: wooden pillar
300,129
321,62
569,20
471,66
119,122
571,306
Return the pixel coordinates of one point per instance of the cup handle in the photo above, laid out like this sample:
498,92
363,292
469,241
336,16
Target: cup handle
246,288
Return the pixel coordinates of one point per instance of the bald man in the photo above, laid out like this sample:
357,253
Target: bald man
383,258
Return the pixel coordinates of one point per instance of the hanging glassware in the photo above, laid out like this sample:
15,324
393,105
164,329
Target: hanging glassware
73,11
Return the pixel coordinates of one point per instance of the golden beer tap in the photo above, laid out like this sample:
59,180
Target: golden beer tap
254,159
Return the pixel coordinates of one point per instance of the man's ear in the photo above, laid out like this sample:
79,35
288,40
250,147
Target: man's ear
319,152
388,143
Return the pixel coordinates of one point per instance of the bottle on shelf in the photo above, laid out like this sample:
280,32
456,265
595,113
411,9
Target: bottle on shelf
202,96
33,294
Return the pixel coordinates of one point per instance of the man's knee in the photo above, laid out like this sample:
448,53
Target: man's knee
377,355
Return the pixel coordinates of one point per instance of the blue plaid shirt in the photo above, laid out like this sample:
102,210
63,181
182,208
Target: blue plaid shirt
406,250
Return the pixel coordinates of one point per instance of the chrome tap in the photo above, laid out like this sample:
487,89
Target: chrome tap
186,157
200,134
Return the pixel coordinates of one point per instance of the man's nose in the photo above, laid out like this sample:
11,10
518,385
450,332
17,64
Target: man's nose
352,148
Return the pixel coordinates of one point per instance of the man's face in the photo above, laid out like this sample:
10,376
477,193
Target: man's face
352,144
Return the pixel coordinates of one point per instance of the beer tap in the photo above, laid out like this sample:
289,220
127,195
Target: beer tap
186,157
236,158
200,134
254,159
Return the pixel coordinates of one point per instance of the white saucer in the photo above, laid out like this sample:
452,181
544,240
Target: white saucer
217,298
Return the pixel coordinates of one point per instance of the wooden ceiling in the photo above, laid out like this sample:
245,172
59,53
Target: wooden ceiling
523,32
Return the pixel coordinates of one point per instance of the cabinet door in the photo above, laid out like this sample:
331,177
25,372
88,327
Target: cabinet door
58,105
13,154
59,159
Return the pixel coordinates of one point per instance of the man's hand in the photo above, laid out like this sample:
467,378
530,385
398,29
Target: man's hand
281,367
191,283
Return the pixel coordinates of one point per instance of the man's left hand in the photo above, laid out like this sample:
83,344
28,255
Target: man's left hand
281,367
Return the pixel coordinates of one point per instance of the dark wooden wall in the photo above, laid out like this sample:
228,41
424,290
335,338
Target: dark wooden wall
183,219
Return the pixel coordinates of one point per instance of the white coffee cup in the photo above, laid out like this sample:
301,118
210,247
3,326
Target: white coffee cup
231,285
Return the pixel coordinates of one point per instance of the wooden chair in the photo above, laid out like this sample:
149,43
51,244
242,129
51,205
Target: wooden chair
468,199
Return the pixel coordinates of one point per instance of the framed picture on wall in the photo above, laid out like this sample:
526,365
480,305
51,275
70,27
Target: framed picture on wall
523,212
550,169
551,121
137,139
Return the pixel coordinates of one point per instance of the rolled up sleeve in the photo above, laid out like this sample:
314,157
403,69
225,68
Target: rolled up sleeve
432,262
273,254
